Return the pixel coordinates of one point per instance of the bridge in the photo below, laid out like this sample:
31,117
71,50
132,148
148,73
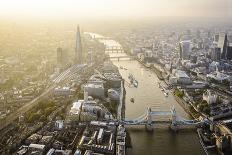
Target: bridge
174,120
114,49
122,57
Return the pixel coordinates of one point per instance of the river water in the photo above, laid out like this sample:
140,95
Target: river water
161,141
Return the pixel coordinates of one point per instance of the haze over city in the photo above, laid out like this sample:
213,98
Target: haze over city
115,77
115,8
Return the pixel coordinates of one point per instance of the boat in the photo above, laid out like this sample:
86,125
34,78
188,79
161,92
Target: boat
162,89
165,94
132,100
135,83
133,80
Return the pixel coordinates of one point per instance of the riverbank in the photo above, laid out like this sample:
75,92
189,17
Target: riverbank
154,69
148,94
124,101
121,103
188,108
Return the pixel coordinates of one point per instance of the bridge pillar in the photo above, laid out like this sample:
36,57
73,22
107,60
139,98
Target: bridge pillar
174,125
149,126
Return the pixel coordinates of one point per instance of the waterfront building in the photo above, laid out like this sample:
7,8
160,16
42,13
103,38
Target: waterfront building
136,50
180,77
141,57
99,138
173,80
121,141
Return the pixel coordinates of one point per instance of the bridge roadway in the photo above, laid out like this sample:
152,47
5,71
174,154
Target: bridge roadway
174,120
27,106
122,57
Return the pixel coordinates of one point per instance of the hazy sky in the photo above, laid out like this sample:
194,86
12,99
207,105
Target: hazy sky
107,8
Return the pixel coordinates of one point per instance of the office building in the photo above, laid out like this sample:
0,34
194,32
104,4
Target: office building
224,43
215,53
229,47
78,50
185,49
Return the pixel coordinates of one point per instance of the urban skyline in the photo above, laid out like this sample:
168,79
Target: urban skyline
115,77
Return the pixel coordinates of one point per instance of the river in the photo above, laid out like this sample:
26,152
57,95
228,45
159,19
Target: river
161,141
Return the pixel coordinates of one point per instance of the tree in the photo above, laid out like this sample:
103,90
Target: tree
48,111
226,83
33,117
179,93
204,107
206,110
43,118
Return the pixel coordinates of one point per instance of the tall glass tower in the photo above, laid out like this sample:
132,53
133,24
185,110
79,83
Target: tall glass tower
78,50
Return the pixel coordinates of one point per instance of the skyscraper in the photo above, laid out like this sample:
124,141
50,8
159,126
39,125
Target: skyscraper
224,42
229,47
78,50
185,49
215,53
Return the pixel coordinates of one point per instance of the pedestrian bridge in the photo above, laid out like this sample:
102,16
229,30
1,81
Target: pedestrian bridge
152,117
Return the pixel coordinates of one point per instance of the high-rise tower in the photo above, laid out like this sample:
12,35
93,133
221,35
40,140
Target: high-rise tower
78,50
224,43
185,49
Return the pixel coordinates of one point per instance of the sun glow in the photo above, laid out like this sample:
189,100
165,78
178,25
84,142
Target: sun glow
100,8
